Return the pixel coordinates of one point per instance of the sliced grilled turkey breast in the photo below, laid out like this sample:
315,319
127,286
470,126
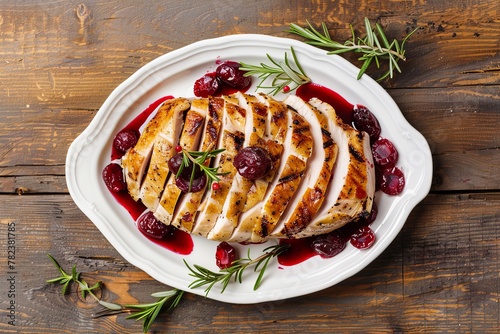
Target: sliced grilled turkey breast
234,203
321,177
351,190
297,149
231,139
189,140
155,144
312,190
189,204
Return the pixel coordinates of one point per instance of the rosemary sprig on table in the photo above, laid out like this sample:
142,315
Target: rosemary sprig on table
197,159
284,74
145,312
205,276
66,279
373,47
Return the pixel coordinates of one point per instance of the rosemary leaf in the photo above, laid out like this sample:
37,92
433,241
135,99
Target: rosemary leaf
286,75
374,46
208,278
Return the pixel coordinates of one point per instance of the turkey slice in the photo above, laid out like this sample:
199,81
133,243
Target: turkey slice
273,129
231,139
351,190
190,141
254,128
188,205
297,149
156,142
312,190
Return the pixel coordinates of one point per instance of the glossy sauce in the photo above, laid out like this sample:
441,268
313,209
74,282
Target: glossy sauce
178,242
342,107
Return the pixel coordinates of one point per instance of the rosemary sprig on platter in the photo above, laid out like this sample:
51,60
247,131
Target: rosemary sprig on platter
196,159
287,76
373,47
208,277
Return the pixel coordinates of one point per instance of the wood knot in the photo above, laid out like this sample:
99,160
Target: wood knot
22,190
82,12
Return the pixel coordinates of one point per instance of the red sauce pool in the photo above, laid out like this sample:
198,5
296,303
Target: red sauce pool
178,242
343,108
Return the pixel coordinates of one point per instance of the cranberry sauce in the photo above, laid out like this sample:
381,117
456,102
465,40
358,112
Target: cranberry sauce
343,108
359,234
178,242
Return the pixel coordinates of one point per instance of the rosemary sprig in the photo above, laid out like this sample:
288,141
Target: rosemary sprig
205,276
198,158
145,312
373,47
286,76
65,279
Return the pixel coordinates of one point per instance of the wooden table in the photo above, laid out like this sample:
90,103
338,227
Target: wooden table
59,60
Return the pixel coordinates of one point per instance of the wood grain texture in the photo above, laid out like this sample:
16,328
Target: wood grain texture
440,272
59,61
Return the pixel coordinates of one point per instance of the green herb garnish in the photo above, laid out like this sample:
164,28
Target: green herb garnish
286,76
197,159
207,277
145,312
373,47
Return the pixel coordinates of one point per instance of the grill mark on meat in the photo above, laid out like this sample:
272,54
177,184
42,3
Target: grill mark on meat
356,154
289,178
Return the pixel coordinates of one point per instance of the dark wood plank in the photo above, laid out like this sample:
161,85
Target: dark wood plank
440,272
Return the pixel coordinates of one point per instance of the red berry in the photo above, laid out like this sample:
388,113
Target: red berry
185,184
252,162
225,255
112,175
392,181
384,153
215,186
328,245
363,238
229,72
206,86
364,120
286,89
178,149
125,140
152,227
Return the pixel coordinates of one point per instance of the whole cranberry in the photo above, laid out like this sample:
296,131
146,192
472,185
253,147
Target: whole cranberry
206,86
229,72
328,245
112,175
364,120
225,255
252,162
125,140
152,227
392,181
384,153
363,238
